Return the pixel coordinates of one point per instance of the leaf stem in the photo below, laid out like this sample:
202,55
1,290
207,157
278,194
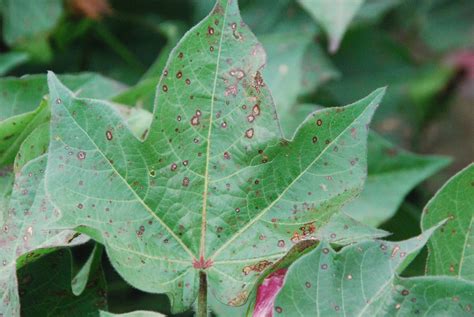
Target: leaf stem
202,296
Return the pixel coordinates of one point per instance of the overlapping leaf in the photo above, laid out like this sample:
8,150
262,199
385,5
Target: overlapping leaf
214,188
361,280
29,222
45,288
451,249
22,108
28,226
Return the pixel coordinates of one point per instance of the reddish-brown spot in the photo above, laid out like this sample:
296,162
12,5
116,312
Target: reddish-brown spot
249,133
195,120
258,267
109,135
319,122
180,55
188,81
314,139
210,30
224,124
226,155
165,88
80,206
281,243
186,182
174,166
81,155
179,75
256,110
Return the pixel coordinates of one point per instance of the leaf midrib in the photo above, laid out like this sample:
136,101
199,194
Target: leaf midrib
202,246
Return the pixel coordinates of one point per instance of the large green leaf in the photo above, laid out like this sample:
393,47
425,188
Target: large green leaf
22,108
45,289
451,249
392,173
361,280
214,191
334,16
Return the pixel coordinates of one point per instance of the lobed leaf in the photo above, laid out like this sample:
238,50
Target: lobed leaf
214,188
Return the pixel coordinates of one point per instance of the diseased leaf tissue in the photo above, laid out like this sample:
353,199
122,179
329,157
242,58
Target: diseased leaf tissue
214,187
205,200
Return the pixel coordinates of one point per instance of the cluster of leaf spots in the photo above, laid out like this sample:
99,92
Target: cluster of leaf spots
214,186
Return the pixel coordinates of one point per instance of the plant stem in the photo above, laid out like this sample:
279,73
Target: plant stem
202,296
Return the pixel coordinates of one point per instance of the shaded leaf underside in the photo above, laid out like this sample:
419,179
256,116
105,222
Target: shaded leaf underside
214,186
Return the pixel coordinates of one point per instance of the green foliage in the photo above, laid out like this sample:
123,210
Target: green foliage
212,149
361,280
334,17
45,288
27,25
451,250
225,162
